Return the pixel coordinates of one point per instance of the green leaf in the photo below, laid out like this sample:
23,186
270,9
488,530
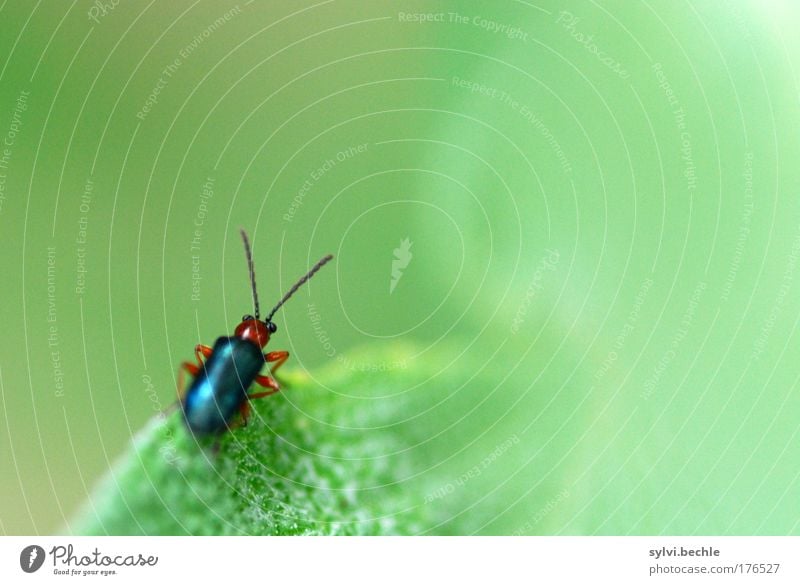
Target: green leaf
317,458
409,440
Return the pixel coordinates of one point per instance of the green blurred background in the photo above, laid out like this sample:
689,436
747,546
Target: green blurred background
601,201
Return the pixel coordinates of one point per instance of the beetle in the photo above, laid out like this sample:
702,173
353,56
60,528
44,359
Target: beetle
220,386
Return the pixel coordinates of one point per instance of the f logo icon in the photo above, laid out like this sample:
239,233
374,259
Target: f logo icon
31,558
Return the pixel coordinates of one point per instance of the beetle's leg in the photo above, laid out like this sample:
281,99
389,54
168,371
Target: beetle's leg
278,357
193,369
262,394
266,382
203,350
244,410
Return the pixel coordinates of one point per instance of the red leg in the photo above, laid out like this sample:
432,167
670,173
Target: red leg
279,357
244,410
186,367
199,350
266,382
203,350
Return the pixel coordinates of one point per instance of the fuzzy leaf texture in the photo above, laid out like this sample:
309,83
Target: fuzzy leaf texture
316,458
406,441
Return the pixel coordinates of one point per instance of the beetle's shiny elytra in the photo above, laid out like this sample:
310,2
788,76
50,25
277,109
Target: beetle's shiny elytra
219,389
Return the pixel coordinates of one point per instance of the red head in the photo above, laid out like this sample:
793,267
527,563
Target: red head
255,330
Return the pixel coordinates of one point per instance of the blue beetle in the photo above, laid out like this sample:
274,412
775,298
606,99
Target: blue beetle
220,386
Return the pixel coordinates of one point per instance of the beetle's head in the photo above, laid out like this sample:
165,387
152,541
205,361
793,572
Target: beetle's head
255,330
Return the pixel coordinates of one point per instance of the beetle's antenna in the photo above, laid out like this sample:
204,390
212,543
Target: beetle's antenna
300,283
249,255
